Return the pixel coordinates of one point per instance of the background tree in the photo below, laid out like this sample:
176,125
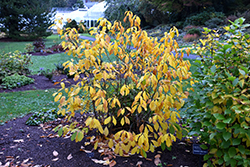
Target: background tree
26,19
147,11
180,9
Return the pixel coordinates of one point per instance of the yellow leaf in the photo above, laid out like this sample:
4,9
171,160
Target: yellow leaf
62,85
58,97
114,120
150,128
152,148
107,120
127,120
111,144
106,131
141,128
156,126
122,121
168,141
96,145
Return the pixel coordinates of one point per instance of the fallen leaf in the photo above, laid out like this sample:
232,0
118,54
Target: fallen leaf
69,157
1,153
100,161
139,163
18,141
158,156
24,165
55,153
55,159
157,161
170,165
86,151
25,161
112,163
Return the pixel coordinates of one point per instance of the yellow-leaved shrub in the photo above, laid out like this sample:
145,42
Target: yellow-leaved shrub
130,85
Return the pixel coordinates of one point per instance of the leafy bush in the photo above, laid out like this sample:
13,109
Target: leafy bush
214,22
218,109
29,47
194,31
132,96
42,116
201,18
47,73
11,63
190,37
15,80
71,24
39,45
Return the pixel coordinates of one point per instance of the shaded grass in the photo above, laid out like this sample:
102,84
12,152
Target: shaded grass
16,104
47,62
20,46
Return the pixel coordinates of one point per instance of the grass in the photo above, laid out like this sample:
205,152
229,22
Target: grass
16,104
47,62
12,46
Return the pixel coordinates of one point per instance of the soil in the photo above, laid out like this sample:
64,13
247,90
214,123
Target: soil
23,145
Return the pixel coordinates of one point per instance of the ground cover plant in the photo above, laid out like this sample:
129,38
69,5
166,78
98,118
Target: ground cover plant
218,109
134,101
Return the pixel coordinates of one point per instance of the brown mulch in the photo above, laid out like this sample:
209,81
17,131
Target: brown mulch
24,145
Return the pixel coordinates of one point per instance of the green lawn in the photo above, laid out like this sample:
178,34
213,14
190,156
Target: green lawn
47,62
12,46
15,104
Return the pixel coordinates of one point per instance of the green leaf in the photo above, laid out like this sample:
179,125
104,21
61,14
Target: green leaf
213,69
236,141
242,72
203,146
232,152
220,125
60,131
232,78
233,162
235,82
226,157
163,146
73,136
144,153
219,153
227,121
227,135
228,111
219,116
241,149
220,161
79,136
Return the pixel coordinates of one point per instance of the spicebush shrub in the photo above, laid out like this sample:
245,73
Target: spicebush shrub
16,62
15,80
219,107
132,102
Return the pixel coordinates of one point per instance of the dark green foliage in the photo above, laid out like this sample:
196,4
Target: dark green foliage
26,19
214,22
39,45
194,31
218,108
205,16
72,24
42,116
11,63
15,80
47,73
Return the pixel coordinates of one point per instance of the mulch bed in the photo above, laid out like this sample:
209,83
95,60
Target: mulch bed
23,145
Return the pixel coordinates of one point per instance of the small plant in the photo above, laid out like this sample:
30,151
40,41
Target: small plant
39,45
56,48
15,80
29,48
190,37
47,73
16,62
42,116
194,31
